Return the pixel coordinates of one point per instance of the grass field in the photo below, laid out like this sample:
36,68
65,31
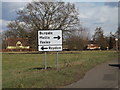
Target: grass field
23,70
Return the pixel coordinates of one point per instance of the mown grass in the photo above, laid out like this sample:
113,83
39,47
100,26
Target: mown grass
19,72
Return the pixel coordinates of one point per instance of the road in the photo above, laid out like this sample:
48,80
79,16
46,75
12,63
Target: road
102,76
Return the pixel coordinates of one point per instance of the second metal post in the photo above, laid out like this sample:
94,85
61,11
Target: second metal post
45,63
57,63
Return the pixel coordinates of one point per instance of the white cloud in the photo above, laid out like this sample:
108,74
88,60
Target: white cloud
102,19
17,9
3,24
94,15
83,16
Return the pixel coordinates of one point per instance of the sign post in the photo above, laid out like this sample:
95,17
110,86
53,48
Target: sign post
50,40
45,63
57,63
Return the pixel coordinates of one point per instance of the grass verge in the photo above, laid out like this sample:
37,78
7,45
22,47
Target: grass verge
24,70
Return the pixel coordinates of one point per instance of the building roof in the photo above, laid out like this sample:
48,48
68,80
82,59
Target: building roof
13,41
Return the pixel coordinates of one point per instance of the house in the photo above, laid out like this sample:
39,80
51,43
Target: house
17,43
92,46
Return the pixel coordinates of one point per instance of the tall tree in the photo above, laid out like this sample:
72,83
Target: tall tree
77,39
100,38
16,29
117,34
111,41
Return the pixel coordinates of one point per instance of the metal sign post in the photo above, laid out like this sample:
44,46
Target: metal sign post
57,63
45,63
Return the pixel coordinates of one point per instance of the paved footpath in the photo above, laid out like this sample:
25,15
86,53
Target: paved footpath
102,76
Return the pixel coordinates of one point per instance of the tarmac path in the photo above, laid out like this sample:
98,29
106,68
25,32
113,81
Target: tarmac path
102,76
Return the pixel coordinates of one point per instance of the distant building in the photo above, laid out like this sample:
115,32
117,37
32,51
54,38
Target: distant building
17,43
92,46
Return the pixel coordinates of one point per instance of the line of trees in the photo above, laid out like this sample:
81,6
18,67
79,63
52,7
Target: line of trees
78,40
55,16
106,41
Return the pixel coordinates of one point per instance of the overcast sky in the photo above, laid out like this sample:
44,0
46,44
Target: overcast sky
99,14
92,14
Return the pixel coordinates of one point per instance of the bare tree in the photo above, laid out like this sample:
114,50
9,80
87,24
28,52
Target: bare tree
49,15
117,34
77,39
44,16
100,38
16,29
